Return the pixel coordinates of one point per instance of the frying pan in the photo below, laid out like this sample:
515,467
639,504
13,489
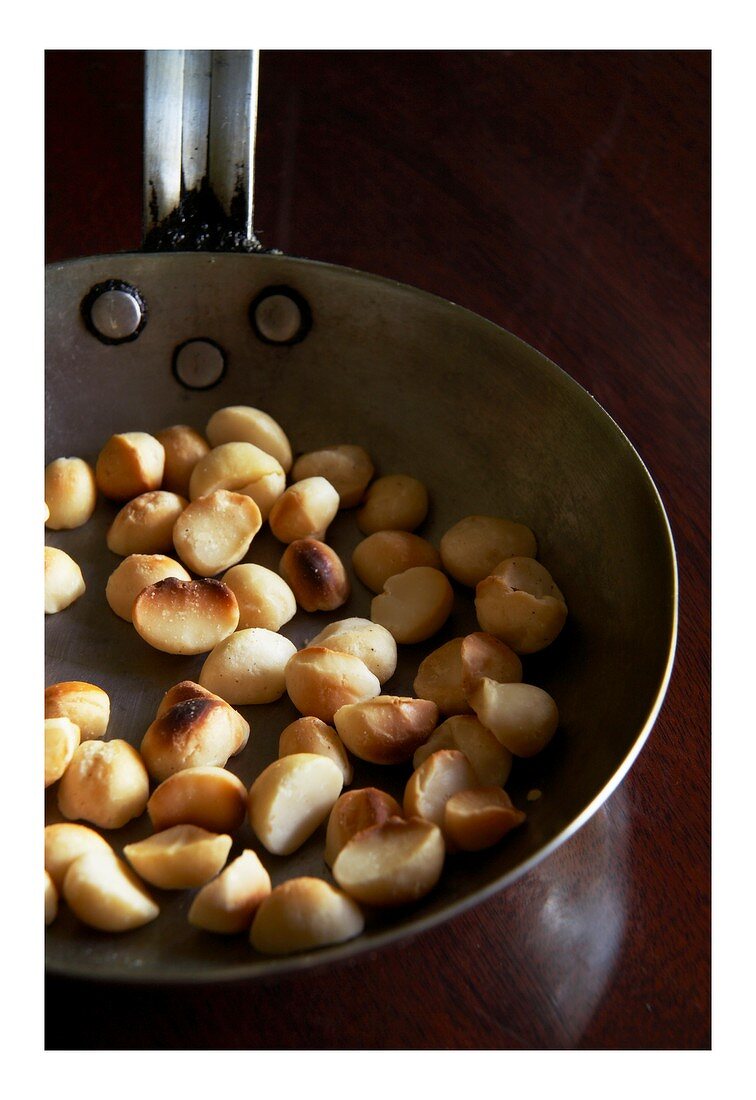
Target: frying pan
203,318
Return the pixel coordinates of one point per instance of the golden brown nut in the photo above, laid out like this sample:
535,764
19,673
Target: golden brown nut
105,783
197,732
430,787
387,729
523,717
319,681
185,616
373,644
355,811
477,819
105,893
70,493
348,468
62,738
242,423
385,553
302,914
228,903
449,674
211,797
264,598
130,463
311,735
179,858
240,468
305,510
51,900
248,667
183,447
414,605
134,574
215,531
188,689
145,524
490,761
393,863
316,575
472,548
85,704
520,604
63,580
290,799
65,842
393,503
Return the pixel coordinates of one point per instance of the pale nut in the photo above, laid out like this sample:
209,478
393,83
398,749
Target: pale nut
51,900
520,604
228,903
179,858
387,729
134,574
264,598
291,798
449,674
472,548
106,783
188,689
130,463
242,423
430,787
348,467
490,761
240,468
316,575
62,738
355,811
385,553
196,732
87,705
104,893
373,644
523,717
63,581
65,842
320,681
414,605
215,532
302,914
70,493
311,735
394,863
145,524
248,667
211,797
478,819
185,617
305,510
183,447
396,502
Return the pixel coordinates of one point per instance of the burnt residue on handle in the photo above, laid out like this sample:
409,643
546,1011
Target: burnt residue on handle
200,224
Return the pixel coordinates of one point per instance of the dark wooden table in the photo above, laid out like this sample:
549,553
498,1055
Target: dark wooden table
566,197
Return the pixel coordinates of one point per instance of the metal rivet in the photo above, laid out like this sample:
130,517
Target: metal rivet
116,314
280,315
199,364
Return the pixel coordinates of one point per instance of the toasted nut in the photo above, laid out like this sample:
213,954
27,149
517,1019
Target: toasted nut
414,605
105,783
214,532
387,729
242,423
347,467
70,493
264,598
134,574
106,894
183,447
248,666
355,811
472,548
520,604
319,681
145,524
185,616
393,863
385,553
227,903
448,674
490,761
313,736
63,580
477,819
372,643
240,468
62,738
65,842
523,717
180,857
430,787
393,503
130,463
305,509
316,575
51,900
195,732
290,798
302,914
85,704
210,797
187,689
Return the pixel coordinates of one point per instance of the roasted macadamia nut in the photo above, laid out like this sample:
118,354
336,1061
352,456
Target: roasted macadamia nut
65,842
290,799
393,863
242,423
311,735
477,819
105,783
196,732
179,858
372,643
228,903
490,761
61,741
248,667
316,575
51,900
387,729
520,604
240,468
215,532
185,616
393,503
210,797
414,605
130,463
188,689
385,553
105,893
145,524
63,581
134,574
85,704
70,493
472,548
183,447
302,914
319,681
430,787
264,598
355,811
449,673
305,510
348,468
523,717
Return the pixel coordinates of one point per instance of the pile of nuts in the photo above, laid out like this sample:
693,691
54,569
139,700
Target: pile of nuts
191,507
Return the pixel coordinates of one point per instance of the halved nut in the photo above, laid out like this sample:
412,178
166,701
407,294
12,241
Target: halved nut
130,463
264,598
134,574
355,811
243,423
520,604
70,493
522,716
183,447
65,842
396,502
311,735
302,914
105,783
305,510
145,524
180,857
290,799
414,605
228,903
215,532
196,732
385,553
473,547
449,673
479,818
348,467
316,575
387,729
105,893
51,900
63,580
443,774
490,761
62,738
85,704
248,666
233,465
185,616
319,681
369,641
394,863
210,797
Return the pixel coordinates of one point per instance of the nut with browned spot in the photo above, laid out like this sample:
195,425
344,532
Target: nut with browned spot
185,616
387,729
192,733
316,575
355,811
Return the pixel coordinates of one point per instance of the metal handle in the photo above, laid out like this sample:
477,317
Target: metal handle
199,141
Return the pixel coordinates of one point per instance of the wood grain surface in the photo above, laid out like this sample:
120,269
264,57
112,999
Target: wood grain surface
564,195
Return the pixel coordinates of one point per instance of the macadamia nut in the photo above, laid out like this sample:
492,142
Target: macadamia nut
478,819
347,467
393,863
179,858
290,799
385,553
65,842
61,741
195,732
316,575
393,503
311,735
185,616
134,574
414,605
105,783
87,705
520,604
210,797
355,811
319,681
248,666
130,463
302,914
387,729
63,581
188,689
242,423
523,717
430,786
490,761
228,903
215,532
183,447
305,510
264,598
145,524
51,900
373,644
240,468
70,493
449,673
105,893
472,548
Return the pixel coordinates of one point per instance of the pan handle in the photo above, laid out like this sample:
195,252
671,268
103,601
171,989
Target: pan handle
199,140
